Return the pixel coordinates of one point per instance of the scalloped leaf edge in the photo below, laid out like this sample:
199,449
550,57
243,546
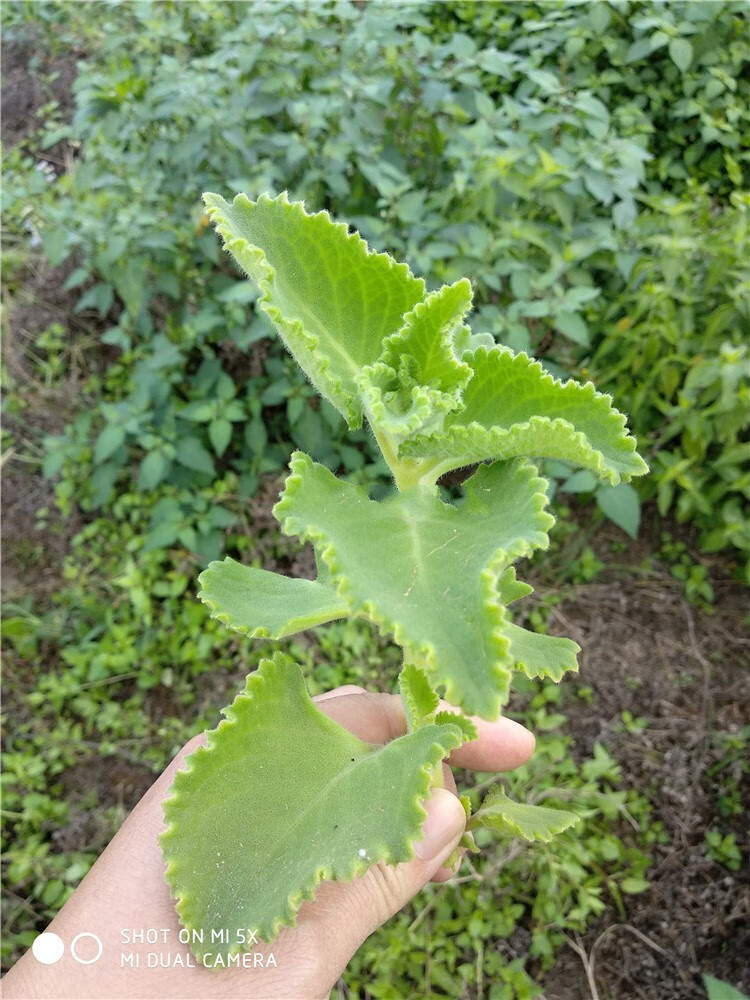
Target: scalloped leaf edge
254,262
218,610
501,813
254,688
495,614
462,444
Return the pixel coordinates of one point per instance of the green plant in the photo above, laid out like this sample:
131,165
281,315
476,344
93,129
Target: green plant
693,574
723,849
717,989
548,171
439,130
729,771
676,354
460,934
436,575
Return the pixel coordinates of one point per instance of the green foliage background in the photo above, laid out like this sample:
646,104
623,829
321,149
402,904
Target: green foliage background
587,165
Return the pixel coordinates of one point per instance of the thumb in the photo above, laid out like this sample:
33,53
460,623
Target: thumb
345,913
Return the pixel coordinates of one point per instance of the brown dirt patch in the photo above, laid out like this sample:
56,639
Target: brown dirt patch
117,782
275,551
32,77
34,407
685,676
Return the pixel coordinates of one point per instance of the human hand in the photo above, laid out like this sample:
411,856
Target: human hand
126,891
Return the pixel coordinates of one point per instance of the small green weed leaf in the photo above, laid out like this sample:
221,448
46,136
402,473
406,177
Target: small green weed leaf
621,505
717,989
110,439
681,53
192,454
530,822
541,655
395,561
161,536
220,434
573,325
258,603
513,407
332,300
420,700
154,468
634,885
583,481
297,798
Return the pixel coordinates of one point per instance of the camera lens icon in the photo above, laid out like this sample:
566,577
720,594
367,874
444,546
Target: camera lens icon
48,948
90,959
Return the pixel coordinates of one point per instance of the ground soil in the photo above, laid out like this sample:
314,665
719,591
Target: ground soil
33,77
684,674
34,300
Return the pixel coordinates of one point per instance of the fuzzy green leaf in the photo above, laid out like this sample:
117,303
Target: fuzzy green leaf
718,989
467,727
419,376
297,799
331,299
400,410
420,700
425,570
467,841
513,407
258,603
541,655
421,703
510,589
519,820
423,349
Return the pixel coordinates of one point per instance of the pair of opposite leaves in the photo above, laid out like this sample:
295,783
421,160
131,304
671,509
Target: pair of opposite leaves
437,576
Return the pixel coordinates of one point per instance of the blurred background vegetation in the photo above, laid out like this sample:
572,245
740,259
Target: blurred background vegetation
587,165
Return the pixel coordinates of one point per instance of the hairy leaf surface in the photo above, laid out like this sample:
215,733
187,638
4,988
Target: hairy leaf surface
258,603
520,820
419,375
297,799
424,348
541,655
420,699
425,570
513,407
332,300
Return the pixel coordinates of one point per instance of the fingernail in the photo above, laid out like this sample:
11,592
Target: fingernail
444,824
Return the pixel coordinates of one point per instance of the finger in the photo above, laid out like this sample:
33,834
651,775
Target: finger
339,691
499,746
374,718
378,718
449,783
343,914
444,874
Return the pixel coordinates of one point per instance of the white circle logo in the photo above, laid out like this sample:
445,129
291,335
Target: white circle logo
48,948
79,937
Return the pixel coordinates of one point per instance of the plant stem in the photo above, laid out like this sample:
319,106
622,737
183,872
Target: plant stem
407,472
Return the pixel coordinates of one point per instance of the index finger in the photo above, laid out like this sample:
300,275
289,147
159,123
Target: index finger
379,718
